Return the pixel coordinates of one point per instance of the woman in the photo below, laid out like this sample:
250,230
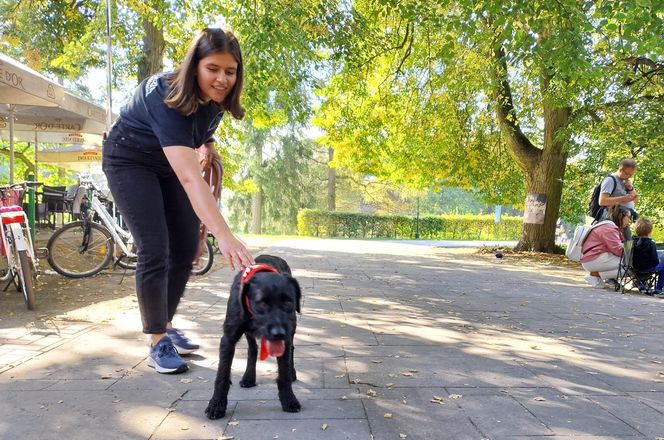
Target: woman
603,247
154,174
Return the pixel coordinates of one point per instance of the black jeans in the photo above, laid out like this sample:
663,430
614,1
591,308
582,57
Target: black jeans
163,223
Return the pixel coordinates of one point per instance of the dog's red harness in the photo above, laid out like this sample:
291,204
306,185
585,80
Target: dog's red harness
247,274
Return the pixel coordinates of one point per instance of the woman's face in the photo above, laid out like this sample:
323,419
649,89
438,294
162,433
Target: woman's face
626,216
216,75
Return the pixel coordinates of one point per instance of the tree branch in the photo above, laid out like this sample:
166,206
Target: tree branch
523,150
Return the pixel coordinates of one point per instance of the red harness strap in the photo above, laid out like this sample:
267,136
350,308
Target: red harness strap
247,274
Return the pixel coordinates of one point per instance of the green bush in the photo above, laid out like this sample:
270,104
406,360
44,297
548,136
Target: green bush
315,223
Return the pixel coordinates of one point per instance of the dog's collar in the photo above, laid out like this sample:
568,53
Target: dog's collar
252,270
247,275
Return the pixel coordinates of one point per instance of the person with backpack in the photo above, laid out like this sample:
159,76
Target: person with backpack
615,189
603,247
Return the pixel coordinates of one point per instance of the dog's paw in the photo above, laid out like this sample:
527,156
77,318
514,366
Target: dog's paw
248,382
291,405
216,409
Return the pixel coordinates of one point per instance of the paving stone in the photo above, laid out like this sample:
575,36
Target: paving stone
513,351
561,414
410,411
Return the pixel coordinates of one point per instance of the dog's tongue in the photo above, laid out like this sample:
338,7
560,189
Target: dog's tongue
272,348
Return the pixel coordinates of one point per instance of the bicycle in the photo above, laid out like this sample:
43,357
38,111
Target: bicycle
16,243
85,247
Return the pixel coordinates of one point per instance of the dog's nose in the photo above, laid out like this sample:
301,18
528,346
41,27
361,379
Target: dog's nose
277,332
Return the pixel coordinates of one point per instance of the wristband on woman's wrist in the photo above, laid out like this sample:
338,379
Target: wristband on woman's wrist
629,189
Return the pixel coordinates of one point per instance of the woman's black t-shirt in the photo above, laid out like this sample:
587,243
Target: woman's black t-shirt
147,123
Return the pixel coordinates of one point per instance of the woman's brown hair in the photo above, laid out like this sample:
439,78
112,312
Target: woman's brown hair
616,214
184,94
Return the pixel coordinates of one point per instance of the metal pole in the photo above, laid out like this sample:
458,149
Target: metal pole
12,114
417,220
109,65
36,177
31,207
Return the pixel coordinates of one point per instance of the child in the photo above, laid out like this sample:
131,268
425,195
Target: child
645,258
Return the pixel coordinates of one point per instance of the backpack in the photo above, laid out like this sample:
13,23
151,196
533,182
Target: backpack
581,232
594,210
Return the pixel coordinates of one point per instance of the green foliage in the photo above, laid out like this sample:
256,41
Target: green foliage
443,227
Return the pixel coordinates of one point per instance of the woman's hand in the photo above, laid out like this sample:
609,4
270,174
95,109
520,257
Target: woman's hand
234,251
205,154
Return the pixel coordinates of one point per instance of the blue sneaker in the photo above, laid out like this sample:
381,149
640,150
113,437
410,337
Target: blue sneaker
165,359
182,343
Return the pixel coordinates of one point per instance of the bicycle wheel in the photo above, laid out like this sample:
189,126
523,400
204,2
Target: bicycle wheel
205,261
26,280
69,255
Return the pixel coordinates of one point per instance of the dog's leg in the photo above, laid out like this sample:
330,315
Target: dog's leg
289,402
249,377
216,408
293,373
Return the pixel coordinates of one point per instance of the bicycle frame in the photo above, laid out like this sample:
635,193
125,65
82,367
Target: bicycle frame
15,233
120,236
16,243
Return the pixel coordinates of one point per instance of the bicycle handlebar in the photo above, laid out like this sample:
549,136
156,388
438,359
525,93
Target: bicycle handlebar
25,183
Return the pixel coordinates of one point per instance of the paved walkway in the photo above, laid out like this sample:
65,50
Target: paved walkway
396,341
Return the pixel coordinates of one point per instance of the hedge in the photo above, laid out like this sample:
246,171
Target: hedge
316,223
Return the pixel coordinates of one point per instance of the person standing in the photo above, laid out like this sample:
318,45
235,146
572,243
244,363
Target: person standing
618,189
153,172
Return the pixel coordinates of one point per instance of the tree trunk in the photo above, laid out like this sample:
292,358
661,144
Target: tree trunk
331,183
153,45
545,178
256,212
543,168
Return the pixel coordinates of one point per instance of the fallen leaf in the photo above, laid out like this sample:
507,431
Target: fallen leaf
455,396
323,426
225,437
185,380
233,423
539,399
343,398
387,415
340,376
412,370
402,435
60,401
184,428
377,362
371,393
407,374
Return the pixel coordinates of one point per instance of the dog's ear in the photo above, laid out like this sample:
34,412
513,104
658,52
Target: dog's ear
243,297
298,292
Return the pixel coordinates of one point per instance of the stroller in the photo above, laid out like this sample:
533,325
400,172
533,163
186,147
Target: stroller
630,278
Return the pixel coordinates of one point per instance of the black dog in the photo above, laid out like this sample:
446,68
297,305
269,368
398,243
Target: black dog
262,304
